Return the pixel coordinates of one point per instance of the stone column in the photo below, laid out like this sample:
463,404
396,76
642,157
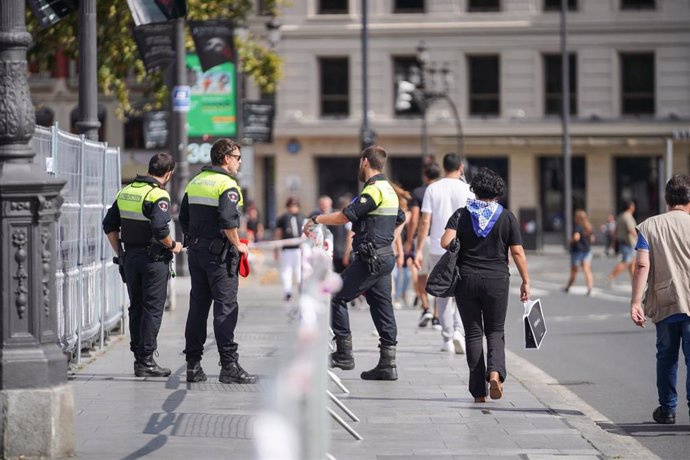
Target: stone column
37,418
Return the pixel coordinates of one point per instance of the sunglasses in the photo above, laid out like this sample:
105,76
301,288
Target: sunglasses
239,157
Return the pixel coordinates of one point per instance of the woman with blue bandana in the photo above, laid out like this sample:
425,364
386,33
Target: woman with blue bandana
486,231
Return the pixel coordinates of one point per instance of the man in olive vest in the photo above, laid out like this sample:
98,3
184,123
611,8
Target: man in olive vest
210,217
662,267
139,219
376,217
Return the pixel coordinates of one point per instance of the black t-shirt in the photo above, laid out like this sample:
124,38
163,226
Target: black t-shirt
583,245
291,225
417,197
489,254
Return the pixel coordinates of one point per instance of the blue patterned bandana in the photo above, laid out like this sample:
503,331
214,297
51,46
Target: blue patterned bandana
484,215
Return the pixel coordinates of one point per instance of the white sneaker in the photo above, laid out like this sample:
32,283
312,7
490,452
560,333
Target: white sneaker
459,343
448,346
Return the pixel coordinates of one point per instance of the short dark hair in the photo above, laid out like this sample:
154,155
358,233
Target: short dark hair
432,171
221,148
487,184
678,190
376,156
160,164
626,203
292,201
451,162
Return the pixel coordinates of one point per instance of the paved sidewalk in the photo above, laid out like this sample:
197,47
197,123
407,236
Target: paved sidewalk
426,414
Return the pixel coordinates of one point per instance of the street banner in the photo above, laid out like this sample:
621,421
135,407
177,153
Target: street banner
49,12
213,108
146,12
258,121
173,9
213,40
156,43
155,129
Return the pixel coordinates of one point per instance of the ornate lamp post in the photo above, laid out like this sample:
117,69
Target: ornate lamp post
426,94
37,404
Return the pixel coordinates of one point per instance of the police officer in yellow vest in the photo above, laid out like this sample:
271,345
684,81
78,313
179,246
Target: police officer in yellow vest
139,219
210,217
376,217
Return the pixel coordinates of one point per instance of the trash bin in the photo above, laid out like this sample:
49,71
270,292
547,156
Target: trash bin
530,229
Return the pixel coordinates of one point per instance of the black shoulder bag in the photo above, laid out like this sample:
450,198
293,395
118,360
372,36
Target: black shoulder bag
445,275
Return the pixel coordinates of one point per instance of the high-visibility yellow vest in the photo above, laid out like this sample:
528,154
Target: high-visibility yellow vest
135,226
378,226
206,188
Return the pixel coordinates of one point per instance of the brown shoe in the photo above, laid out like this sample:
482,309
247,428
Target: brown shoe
495,387
480,399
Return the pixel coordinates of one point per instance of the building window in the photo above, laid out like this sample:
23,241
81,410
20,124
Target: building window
263,8
483,5
335,86
333,7
484,85
638,4
405,68
555,5
637,84
408,6
553,84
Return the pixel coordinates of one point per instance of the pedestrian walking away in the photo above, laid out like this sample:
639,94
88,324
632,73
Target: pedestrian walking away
626,238
138,219
441,200
662,266
581,251
210,218
485,232
431,173
376,219
288,226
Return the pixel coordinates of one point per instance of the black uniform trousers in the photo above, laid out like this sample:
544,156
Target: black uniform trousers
482,300
376,289
211,283
147,284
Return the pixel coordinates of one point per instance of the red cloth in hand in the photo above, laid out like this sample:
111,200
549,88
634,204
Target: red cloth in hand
244,261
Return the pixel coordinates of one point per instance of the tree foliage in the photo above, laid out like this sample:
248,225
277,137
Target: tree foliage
120,68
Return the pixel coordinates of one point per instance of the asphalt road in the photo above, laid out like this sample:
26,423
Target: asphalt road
594,349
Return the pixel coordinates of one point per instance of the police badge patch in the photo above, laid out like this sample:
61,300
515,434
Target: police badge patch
163,205
363,199
233,196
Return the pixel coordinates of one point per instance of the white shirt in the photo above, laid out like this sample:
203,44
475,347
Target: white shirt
441,199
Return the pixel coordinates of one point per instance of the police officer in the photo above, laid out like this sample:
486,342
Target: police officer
376,216
139,219
210,217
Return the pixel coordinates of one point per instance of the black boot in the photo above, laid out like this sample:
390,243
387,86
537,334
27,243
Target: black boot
386,368
146,366
342,356
194,372
232,372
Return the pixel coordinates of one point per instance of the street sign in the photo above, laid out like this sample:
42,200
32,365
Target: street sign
258,121
181,97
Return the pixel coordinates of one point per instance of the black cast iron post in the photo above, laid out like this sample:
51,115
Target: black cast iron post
88,123
33,370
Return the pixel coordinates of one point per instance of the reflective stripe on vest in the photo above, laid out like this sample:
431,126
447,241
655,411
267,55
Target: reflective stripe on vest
206,188
384,196
130,200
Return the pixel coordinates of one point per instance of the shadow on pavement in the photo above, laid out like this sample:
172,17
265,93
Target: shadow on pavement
646,429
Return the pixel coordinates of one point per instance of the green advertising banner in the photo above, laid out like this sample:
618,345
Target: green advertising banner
213,108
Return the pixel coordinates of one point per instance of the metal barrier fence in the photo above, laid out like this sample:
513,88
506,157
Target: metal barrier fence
91,297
